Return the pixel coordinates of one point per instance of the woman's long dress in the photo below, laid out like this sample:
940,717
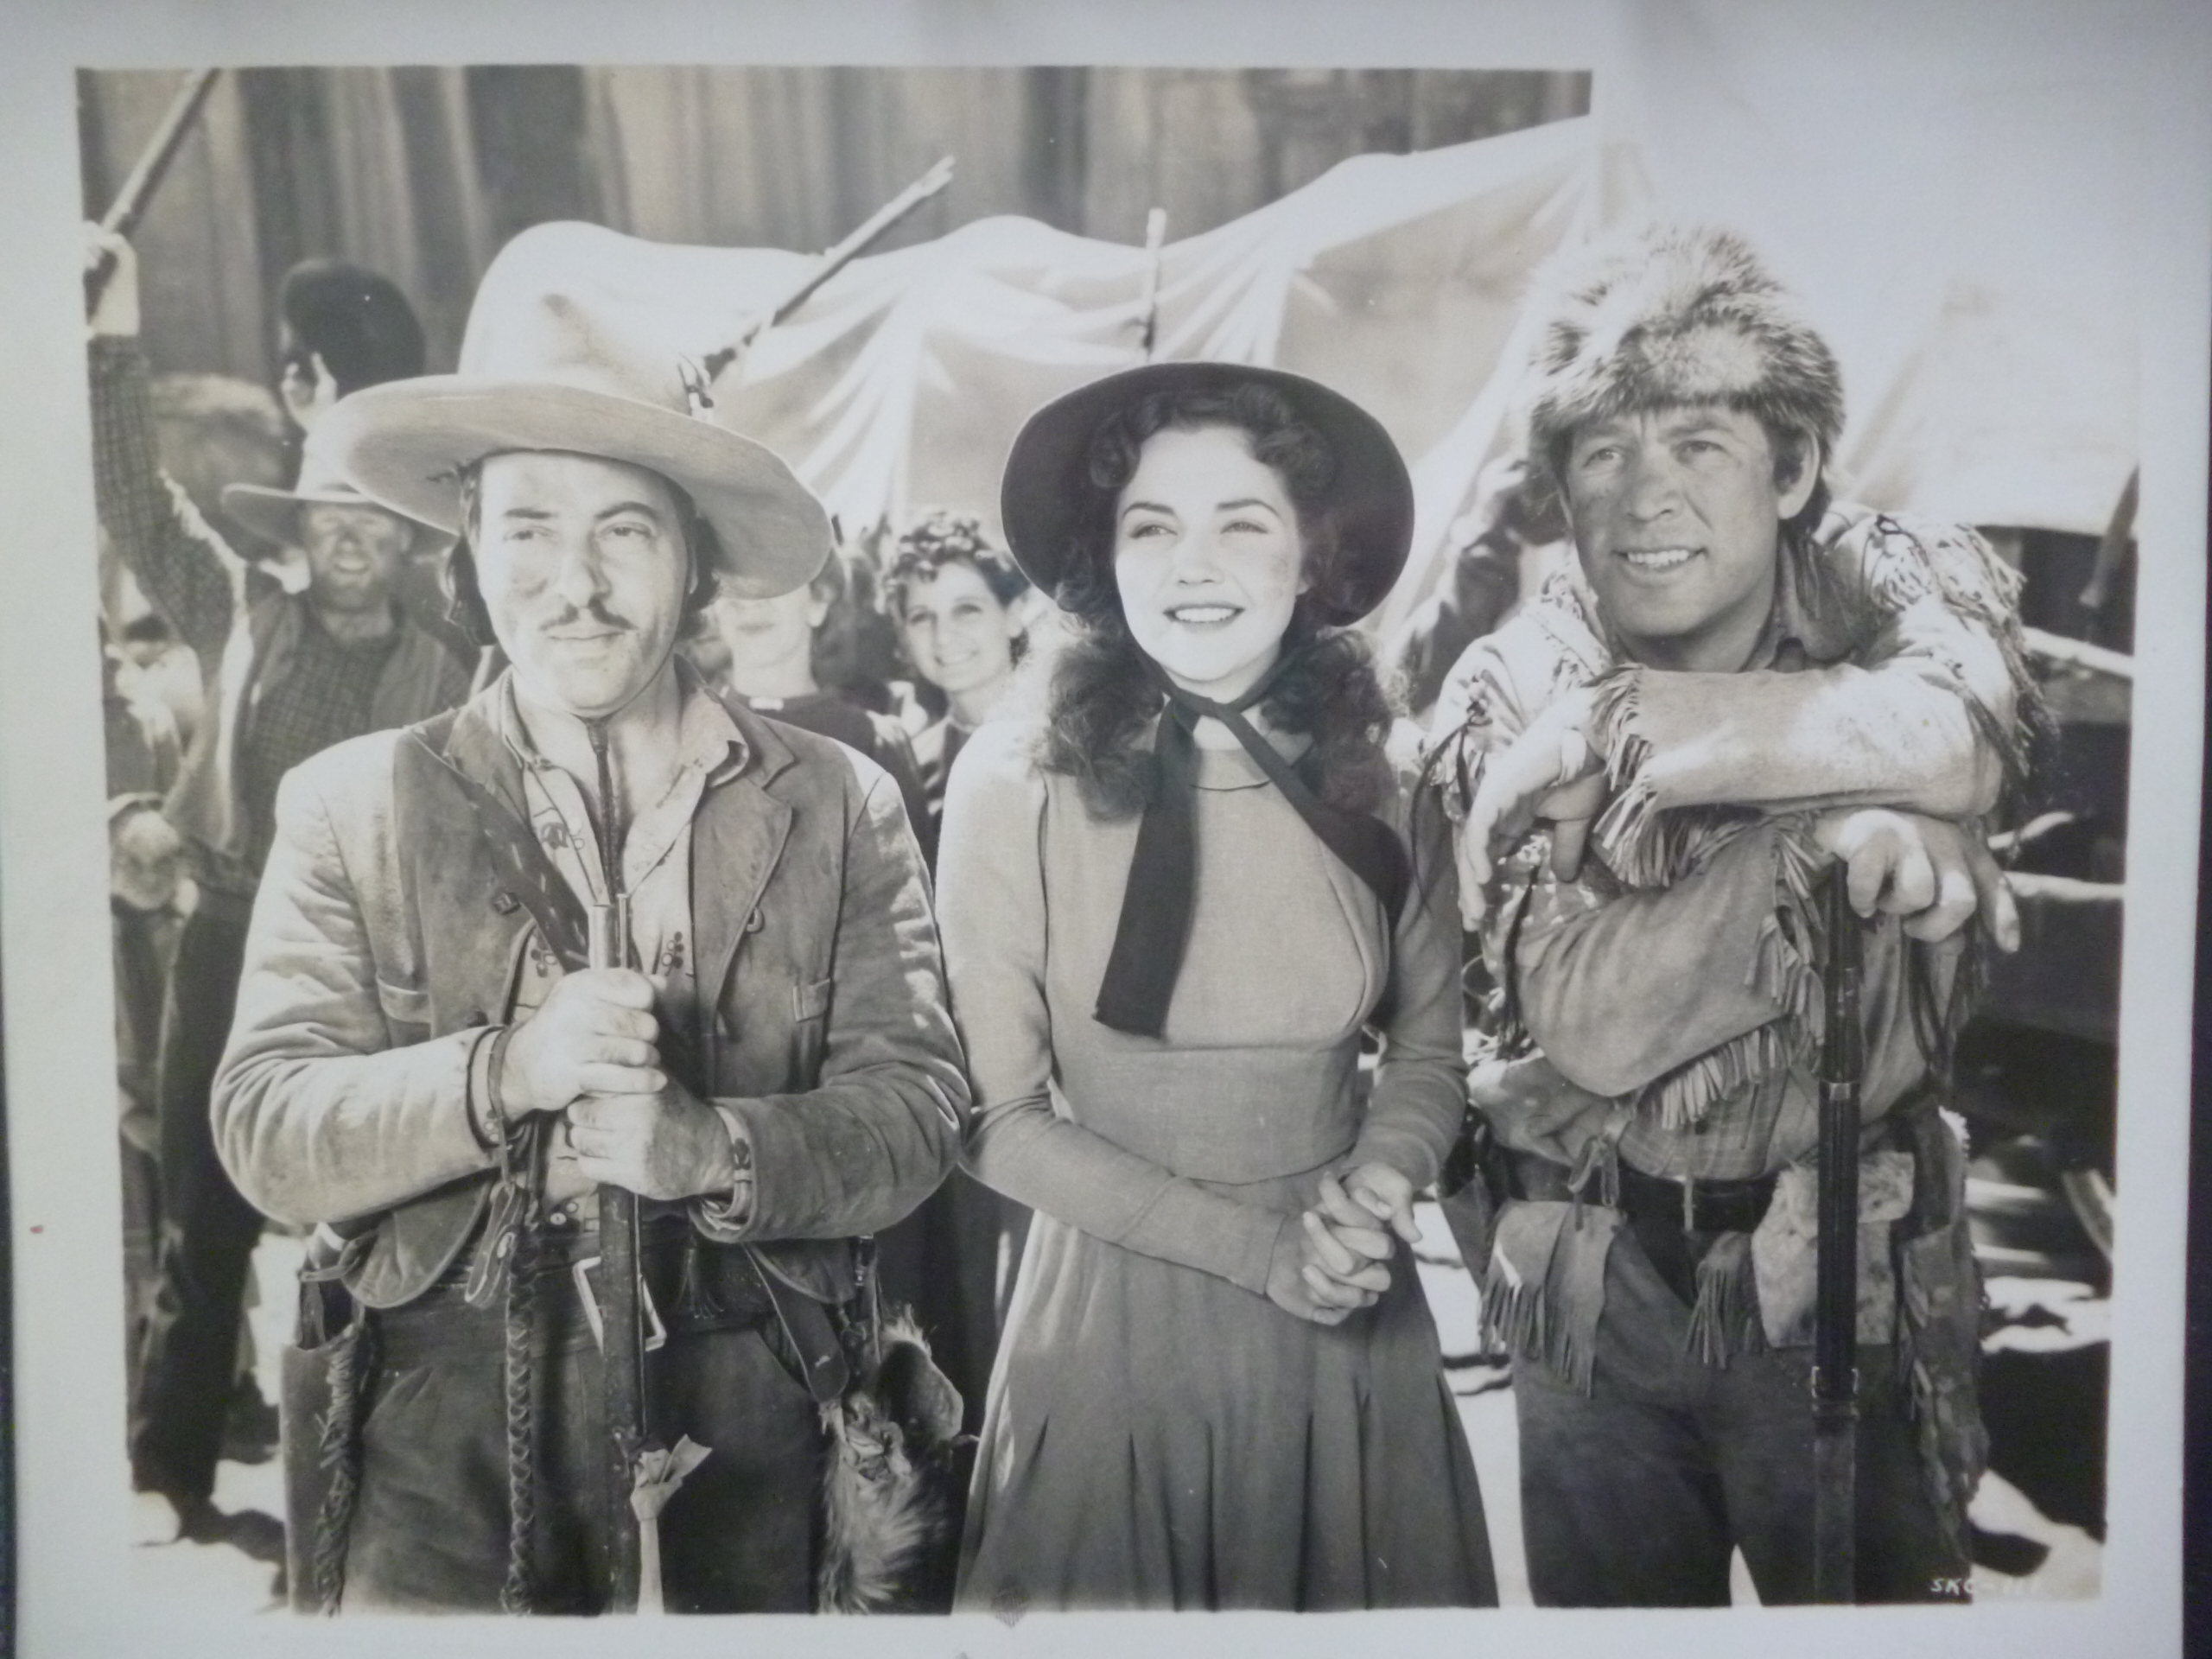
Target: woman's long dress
1159,1434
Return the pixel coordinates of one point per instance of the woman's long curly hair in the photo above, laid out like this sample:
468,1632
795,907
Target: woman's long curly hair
1103,699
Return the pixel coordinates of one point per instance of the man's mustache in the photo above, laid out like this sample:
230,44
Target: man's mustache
594,613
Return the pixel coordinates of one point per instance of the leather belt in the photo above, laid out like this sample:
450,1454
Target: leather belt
1697,1206
1692,1206
692,1286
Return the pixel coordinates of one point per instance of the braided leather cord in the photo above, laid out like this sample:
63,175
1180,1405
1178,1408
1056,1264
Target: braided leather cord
521,1375
523,1173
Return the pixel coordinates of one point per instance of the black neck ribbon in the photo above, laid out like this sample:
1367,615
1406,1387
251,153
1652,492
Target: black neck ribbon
1157,901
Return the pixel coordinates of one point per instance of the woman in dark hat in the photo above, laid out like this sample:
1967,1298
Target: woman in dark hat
1172,910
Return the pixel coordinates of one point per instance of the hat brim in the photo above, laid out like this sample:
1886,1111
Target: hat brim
406,443
1043,491
274,515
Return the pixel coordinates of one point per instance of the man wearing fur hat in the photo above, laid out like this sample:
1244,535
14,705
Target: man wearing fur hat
1738,685
284,675
429,1068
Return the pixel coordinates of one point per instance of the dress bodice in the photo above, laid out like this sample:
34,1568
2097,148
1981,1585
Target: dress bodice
1286,956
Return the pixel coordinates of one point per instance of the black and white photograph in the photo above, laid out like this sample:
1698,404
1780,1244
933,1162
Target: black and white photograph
997,826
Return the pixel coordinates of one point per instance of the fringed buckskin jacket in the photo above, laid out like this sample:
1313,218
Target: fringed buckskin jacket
1663,1008
389,931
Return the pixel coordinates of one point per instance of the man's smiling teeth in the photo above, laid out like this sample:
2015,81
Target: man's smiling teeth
1657,558
1202,613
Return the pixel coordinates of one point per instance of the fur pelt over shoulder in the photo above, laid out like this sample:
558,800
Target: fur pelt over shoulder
1669,314
892,1489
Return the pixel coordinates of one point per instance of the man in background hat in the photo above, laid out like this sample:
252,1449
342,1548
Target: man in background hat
1737,686
284,675
429,1068
341,328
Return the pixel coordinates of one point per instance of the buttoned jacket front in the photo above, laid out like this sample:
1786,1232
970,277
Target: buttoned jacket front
390,928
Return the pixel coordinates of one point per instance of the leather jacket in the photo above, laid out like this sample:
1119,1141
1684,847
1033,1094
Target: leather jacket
387,933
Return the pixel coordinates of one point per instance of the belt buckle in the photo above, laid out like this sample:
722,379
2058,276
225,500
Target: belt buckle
656,1332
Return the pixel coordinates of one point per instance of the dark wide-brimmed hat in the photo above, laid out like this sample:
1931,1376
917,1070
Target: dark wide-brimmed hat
552,379
1046,488
274,514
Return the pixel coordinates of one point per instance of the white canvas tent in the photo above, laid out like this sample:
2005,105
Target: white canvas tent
1983,388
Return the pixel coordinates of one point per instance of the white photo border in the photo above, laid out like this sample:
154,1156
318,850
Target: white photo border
2141,64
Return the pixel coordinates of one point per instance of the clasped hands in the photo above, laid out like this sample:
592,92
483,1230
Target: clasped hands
1928,871
592,1054
1332,1262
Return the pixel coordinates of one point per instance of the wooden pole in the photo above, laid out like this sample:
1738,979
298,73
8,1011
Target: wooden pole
1155,237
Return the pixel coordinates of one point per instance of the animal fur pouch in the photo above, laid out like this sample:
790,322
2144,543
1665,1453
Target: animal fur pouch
892,1499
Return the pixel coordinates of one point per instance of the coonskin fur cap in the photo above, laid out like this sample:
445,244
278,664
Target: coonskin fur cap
1670,314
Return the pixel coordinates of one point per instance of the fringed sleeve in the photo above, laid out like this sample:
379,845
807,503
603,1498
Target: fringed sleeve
1927,706
1682,994
1782,970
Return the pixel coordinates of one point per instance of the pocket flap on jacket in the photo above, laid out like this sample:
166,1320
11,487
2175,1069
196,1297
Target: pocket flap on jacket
812,1002
403,1004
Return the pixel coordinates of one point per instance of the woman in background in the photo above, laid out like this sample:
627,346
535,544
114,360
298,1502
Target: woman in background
956,601
956,598
767,652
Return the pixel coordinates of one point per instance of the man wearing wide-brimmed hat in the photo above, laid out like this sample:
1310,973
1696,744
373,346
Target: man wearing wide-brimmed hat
284,675
1738,685
428,1065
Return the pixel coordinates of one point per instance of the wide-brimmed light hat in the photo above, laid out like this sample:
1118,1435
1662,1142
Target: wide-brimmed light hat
1047,490
550,379
274,514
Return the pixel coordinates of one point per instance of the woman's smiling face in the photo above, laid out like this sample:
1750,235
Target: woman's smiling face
1208,558
957,634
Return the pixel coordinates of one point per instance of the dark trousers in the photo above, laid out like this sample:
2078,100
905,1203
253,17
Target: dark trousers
189,1365
141,1209
1634,1495
429,1524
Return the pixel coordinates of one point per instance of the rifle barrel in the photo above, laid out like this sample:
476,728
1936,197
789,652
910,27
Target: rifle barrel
130,204
1835,1308
834,260
621,1307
